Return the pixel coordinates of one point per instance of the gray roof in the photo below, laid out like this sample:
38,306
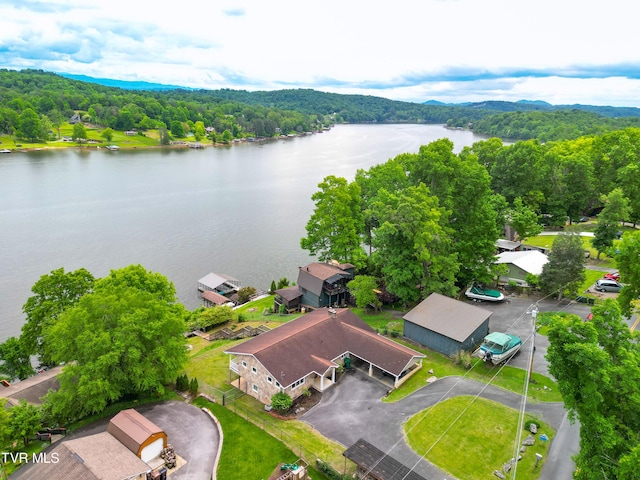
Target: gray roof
378,464
214,280
289,293
507,244
448,316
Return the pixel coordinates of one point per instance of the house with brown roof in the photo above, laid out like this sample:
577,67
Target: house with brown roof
446,325
325,284
288,299
306,353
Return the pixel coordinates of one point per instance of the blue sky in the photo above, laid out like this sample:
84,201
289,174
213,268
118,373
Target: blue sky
559,51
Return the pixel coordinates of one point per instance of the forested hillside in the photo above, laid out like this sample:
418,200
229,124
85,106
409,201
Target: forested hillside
33,104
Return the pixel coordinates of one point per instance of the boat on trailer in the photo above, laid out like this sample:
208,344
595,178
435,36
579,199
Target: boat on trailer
478,294
498,347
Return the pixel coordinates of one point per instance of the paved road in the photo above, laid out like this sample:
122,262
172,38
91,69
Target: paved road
353,409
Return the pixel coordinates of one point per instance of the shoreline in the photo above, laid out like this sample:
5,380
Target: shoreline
20,148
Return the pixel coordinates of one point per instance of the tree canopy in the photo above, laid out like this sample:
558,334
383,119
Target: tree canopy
125,337
565,269
597,367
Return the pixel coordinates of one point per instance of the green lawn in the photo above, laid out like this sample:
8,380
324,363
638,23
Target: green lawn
471,437
546,241
247,450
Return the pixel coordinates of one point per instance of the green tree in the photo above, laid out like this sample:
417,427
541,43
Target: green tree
273,287
177,129
597,367
199,131
524,220
25,421
124,338
335,227
193,386
565,269
206,318
363,288
107,134
283,283
15,359
163,133
413,245
79,133
53,293
29,126
627,260
5,427
616,209
245,293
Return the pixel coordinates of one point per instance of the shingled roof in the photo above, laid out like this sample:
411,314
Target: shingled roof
313,276
134,430
310,344
448,316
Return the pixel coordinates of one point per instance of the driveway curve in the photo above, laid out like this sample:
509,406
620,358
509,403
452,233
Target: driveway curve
354,409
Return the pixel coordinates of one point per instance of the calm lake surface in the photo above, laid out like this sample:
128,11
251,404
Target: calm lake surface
238,210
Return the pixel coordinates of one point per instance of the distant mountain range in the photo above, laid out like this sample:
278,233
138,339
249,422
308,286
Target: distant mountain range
125,85
541,106
490,105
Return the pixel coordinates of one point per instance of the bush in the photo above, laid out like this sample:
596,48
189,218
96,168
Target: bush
182,383
281,402
528,423
244,294
193,386
463,359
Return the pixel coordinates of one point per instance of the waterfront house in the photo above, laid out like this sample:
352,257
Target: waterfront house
287,299
446,325
308,351
325,284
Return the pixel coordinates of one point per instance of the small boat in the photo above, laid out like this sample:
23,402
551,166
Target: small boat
112,147
478,294
498,347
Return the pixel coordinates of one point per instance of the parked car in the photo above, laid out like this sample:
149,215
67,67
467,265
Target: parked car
606,285
612,276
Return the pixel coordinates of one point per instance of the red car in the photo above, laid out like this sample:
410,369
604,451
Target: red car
612,276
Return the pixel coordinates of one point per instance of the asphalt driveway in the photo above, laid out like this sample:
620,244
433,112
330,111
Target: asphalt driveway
353,408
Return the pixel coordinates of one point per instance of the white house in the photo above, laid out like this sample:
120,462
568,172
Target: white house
520,264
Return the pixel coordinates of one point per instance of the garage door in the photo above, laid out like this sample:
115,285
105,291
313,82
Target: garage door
152,450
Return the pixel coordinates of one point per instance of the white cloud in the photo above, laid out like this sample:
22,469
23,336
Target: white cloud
456,50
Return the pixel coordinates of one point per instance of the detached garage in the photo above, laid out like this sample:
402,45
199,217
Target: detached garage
138,434
447,325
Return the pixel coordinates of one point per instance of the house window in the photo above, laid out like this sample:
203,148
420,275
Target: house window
254,387
278,384
298,383
254,370
244,364
269,379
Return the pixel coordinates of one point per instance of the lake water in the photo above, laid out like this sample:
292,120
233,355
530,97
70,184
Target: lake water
238,210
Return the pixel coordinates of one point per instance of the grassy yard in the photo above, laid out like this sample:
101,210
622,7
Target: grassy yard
247,450
546,241
471,437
